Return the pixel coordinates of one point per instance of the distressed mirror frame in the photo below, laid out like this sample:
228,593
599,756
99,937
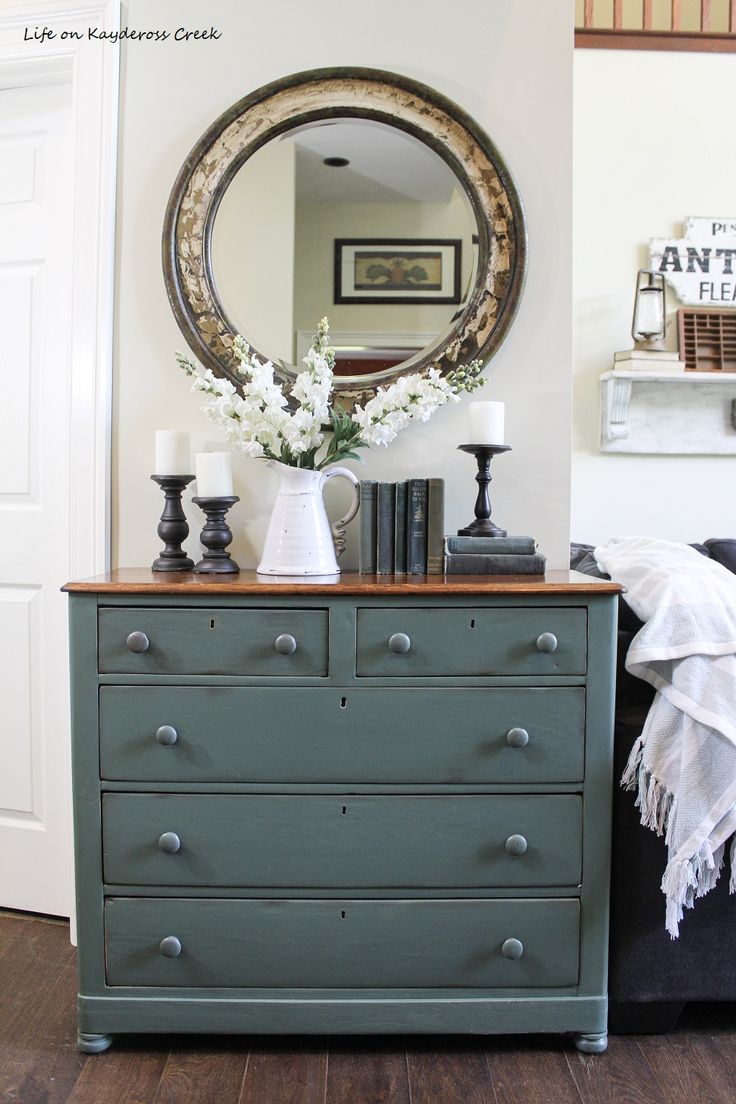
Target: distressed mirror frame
308,97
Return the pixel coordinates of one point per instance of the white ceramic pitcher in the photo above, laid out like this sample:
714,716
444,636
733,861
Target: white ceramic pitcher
300,540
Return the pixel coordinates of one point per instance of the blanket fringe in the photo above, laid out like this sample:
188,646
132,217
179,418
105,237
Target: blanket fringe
684,879
654,800
630,776
687,879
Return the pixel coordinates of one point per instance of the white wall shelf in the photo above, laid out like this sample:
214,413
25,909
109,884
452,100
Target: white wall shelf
668,413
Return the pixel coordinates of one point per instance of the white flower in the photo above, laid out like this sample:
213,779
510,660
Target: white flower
377,434
252,448
410,398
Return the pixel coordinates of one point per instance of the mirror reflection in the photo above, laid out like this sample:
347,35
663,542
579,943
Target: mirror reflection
350,218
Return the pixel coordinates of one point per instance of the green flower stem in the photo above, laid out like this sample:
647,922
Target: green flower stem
344,450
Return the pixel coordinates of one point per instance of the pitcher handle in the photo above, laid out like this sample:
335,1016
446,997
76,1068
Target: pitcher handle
338,527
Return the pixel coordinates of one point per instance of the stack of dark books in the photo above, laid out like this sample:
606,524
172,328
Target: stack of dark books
402,527
493,556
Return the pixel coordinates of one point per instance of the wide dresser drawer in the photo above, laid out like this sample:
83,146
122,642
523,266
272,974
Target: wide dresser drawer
321,735
412,642
279,643
341,841
341,943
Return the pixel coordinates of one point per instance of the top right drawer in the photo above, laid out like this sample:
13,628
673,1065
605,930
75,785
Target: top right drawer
411,643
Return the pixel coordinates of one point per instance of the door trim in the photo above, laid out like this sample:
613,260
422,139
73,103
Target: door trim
94,74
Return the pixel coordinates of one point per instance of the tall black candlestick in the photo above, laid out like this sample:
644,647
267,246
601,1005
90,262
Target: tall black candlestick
172,528
483,526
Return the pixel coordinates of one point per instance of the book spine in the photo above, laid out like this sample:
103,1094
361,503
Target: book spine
368,531
465,564
386,506
416,528
435,526
522,546
400,530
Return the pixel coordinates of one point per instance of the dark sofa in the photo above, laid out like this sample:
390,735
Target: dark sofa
651,976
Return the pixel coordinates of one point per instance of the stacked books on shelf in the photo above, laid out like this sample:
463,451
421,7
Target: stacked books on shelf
402,527
493,556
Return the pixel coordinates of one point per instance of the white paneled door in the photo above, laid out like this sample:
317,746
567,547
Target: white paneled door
36,196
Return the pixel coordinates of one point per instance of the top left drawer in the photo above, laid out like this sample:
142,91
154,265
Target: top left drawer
213,642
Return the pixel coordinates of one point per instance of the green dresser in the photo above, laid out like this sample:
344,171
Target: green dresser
374,805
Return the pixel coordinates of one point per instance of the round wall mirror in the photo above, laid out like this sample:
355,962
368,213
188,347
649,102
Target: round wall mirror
352,193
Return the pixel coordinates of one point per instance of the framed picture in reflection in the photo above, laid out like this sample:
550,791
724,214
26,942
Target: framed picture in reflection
397,270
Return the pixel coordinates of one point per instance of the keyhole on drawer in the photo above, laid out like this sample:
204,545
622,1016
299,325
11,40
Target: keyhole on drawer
342,915
472,623
212,623
343,703
344,809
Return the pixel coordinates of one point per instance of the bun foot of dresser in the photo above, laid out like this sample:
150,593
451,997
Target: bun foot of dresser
93,1044
591,1044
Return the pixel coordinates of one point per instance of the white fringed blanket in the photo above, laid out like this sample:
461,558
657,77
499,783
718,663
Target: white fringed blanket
684,762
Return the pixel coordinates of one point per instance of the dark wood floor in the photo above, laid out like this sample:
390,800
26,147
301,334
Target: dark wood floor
40,1065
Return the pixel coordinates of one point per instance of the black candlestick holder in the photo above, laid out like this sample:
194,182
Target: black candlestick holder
216,536
172,528
483,526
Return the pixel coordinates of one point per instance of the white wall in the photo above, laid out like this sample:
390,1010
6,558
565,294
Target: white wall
653,143
509,65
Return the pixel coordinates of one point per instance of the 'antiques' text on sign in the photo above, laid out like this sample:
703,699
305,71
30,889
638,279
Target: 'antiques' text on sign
701,267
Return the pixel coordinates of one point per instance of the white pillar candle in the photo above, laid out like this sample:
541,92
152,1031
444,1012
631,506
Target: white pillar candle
214,475
172,454
485,423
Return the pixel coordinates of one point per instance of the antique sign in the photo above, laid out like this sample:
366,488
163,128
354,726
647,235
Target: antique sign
701,266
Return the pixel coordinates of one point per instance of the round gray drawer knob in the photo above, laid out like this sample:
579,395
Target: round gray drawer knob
285,644
512,948
399,643
517,737
138,642
547,642
167,735
170,946
516,845
169,842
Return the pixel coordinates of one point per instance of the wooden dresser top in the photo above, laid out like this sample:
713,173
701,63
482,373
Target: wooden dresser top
140,580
